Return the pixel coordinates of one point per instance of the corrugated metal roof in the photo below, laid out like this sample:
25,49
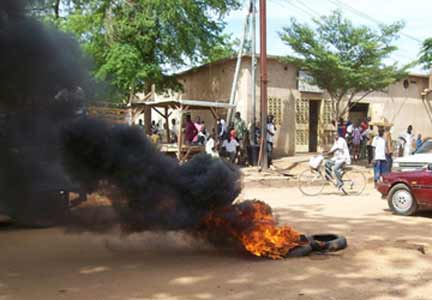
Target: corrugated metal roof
304,83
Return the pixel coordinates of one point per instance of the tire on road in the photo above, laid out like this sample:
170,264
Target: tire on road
401,200
300,251
328,242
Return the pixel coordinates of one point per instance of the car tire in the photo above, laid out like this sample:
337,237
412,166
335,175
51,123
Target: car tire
401,200
299,251
328,242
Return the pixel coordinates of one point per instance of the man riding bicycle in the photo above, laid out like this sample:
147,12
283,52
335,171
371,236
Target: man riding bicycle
341,156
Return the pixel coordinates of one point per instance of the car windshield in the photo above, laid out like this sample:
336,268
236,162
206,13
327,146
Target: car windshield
425,148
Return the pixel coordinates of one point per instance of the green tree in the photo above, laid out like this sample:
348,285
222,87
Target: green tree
135,44
426,54
347,61
227,48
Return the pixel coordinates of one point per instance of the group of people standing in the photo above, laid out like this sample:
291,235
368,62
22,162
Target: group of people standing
230,141
233,140
358,136
158,135
227,140
379,147
223,141
384,147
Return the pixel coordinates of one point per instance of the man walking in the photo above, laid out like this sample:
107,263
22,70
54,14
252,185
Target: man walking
379,143
271,131
389,147
408,140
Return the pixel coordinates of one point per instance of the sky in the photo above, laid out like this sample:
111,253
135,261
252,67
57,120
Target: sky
417,15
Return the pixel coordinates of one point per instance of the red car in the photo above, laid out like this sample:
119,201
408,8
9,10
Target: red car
407,192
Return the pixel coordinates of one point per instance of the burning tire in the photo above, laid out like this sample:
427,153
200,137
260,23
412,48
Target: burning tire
327,242
300,251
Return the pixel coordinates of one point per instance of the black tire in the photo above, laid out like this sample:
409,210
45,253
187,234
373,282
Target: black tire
328,242
300,251
401,200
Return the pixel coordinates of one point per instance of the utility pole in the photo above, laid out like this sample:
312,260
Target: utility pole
263,83
253,68
237,69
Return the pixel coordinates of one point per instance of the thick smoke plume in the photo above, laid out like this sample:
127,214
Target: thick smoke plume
41,75
149,190
36,61
46,146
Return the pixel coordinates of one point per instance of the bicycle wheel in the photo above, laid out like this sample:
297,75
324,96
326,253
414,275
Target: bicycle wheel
311,182
354,182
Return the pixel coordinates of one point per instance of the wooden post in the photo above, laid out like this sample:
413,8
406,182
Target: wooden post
167,124
263,67
147,119
253,67
180,135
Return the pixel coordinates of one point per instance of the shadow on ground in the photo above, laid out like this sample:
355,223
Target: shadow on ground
388,257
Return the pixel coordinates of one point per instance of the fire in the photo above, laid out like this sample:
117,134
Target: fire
254,226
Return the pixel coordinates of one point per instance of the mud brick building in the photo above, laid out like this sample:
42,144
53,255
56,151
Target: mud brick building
303,112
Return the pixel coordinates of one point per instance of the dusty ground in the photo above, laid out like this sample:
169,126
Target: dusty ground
389,257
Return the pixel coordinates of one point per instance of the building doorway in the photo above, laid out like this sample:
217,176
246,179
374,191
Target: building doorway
358,112
314,113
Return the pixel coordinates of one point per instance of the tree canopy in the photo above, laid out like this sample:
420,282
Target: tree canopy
135,44
345,60
227,48
426,54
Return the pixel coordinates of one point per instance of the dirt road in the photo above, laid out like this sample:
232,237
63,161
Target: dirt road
389,257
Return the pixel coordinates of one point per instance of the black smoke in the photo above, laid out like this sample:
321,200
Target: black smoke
37,61
149,190
42,75
47,147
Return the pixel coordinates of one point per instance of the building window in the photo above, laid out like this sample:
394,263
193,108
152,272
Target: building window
302,111
275,109
327,115
406,84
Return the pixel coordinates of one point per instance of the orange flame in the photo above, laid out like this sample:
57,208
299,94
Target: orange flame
252,223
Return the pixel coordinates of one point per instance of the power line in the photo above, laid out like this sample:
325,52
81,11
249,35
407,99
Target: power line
363,15
284,3
309,8
303,7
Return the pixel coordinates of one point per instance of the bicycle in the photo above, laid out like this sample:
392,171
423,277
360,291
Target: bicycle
312,181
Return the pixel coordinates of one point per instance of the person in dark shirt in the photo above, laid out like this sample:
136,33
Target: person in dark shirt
342,127
190,130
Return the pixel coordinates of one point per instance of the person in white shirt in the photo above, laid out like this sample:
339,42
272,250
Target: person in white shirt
230,147
221,128
408,141
380,165
211,145
174,131
341,157
271,130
